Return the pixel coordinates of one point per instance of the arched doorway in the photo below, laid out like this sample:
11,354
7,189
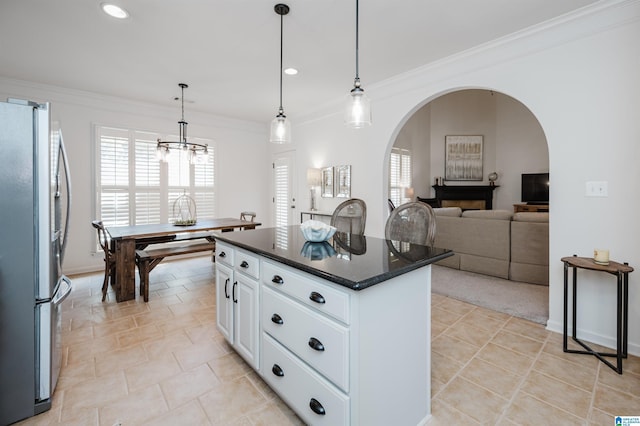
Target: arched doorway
513,144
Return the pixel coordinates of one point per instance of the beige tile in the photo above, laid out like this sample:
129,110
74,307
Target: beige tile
128,409
526,328
599,418
231,400
153,371
190,414
261,385
474,401
169,343
186,386
114,327
479,318
437,328
558,393
444,415
138,335
229,367
518,343
198,353
571,372
269,415
119,360
469,333
85,351
205,331
444,316
155,316
505,358
444,368
81,399
496,379
529,411
453,305
615,402
77,373
179,323
625,382
453,348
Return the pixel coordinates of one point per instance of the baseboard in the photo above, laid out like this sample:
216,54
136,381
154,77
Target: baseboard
599,339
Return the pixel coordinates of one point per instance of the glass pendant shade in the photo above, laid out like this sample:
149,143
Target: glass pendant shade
357,112
280,129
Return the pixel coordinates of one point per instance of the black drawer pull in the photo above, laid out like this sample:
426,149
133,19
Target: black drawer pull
316,344
277,370
222,254
316,297
277,279
226,283
316,407
244,264
276,319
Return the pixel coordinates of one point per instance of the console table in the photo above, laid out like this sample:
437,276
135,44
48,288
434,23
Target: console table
621,271
543,208
481,193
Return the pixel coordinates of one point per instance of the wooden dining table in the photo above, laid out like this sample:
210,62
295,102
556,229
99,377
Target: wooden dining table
125,240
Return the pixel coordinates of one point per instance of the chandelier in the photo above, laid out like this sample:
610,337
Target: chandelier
280,126
198,153
357,113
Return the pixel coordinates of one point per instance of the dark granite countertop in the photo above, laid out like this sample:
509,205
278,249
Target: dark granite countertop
352,261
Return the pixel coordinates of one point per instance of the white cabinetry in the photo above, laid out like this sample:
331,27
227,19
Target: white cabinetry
237,296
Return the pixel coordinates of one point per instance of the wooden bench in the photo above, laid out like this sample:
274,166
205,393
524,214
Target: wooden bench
149,259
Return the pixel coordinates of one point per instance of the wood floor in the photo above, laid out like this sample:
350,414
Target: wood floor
164,363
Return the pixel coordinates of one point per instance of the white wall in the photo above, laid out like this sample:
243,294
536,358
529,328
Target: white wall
240,149
578,76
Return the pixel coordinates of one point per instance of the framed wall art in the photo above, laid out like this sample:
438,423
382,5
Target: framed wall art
342,181
463,157
326,186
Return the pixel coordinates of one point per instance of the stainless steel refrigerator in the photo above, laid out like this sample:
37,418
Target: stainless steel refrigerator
35,197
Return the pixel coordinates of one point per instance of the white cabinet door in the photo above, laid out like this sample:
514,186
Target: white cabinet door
246,317
224,302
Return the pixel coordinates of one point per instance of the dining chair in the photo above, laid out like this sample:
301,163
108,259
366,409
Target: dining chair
350,216
412,222
109,259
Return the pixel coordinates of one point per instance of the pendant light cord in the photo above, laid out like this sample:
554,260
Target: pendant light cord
357,44
281,44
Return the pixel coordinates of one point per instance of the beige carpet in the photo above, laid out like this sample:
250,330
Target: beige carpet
528,301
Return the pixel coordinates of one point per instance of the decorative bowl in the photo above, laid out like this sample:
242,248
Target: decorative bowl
316,231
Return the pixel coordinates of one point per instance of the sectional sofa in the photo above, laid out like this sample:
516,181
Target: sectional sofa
496,242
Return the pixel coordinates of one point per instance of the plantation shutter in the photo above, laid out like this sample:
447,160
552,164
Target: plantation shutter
114,176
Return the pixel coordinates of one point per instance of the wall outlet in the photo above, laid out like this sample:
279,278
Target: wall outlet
597,189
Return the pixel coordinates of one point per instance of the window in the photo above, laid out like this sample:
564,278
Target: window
399,175
134,188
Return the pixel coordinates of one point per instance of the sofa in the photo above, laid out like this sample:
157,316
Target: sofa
495,242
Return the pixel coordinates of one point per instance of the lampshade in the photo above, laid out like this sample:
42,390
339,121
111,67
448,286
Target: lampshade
314,177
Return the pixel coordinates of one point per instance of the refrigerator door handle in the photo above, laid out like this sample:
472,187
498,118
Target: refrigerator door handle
64,290
67,179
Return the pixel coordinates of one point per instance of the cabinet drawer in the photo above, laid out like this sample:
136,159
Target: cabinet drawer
316,339
247,263
224,254
316,295
298,385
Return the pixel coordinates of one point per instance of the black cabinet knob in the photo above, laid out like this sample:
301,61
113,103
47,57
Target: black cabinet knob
277,319
244,264
316,407
277,370
316,344
277,279
316,297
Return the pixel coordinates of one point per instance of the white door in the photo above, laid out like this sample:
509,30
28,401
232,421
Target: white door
284,201
224,303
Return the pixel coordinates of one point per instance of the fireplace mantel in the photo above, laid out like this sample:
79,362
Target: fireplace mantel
452,193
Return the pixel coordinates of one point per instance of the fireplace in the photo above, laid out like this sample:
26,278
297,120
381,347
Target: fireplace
467,197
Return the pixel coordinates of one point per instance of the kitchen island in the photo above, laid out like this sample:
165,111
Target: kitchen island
339,329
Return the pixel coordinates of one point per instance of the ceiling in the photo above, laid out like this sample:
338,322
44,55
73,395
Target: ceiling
229,51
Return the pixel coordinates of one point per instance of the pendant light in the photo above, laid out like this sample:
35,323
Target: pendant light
198,153
358,108
280,126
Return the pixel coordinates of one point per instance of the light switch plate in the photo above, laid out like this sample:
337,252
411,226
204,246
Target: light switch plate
597,188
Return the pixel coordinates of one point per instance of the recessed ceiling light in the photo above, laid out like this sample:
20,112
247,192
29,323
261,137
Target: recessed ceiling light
114,10
291,71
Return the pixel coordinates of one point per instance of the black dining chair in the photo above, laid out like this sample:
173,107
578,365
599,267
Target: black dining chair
109,259
412,222
350,216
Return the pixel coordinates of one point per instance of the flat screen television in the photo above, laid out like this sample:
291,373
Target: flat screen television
535,188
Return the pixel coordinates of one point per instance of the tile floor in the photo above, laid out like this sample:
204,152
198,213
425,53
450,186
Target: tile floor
164,363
